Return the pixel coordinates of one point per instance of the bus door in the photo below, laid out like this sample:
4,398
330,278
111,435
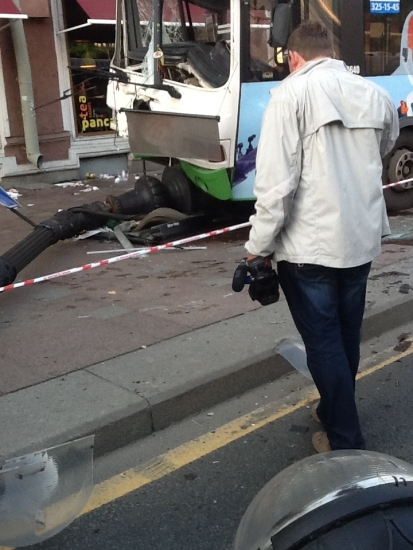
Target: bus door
264,64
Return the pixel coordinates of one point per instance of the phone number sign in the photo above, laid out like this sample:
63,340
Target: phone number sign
386,7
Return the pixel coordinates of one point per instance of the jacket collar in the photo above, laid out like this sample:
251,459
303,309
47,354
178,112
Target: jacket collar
325,63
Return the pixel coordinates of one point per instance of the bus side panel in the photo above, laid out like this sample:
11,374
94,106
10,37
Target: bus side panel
254,100
400,89
399,85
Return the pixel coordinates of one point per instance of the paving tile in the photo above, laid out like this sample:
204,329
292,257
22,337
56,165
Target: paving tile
60,410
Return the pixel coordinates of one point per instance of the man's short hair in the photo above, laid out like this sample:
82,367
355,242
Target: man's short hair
311,39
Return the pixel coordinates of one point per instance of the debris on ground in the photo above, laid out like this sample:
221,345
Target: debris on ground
102,231
66,184
122,177
89,188
299,429
403,342
388,274
405,288
13,193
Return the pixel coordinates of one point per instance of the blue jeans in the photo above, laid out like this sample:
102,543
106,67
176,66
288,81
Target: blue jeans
327,306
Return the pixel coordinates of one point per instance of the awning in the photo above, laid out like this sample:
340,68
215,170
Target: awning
99,9
8,10
97,12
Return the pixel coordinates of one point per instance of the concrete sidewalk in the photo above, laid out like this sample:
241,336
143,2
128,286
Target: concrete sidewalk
127,350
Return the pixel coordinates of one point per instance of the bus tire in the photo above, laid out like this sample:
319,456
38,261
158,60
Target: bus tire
399,166
179,188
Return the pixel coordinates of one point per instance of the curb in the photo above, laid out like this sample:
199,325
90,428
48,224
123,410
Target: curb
174,406
118,415
195,396
385,318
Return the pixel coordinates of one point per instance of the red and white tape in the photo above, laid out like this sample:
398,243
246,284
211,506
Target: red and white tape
149,250
397,183
135,254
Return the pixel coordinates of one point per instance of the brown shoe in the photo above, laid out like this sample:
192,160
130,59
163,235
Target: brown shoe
314,414
321,443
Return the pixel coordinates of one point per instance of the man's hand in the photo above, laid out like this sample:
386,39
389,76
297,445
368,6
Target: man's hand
267,260
257,271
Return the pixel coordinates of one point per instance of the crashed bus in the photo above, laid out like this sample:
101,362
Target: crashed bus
191,80
189,83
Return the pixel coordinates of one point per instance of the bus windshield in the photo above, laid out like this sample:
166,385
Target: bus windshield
193,45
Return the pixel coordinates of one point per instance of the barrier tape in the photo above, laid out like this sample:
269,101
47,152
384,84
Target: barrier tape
397,183
136,254
149,250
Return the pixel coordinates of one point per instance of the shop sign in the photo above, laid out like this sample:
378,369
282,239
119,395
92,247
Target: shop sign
386,7
91,116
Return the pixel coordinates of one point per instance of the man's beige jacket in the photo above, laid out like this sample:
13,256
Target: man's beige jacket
319,170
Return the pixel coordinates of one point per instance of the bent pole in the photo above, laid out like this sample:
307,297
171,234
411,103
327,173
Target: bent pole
128,256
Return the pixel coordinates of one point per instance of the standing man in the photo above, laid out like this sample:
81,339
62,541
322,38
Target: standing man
320,210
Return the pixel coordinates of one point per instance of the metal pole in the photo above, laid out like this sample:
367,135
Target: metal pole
157,39
23,217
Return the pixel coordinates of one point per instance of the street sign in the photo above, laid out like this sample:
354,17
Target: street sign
6,200
386,7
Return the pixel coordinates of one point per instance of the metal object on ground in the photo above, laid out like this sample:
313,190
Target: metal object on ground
63,225
331,501
120,235
148,195
127,256
43,492
293,351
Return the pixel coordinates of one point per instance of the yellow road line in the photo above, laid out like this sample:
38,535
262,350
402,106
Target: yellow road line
171,461
135,478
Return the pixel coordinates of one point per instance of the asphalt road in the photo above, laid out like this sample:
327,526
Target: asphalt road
194,496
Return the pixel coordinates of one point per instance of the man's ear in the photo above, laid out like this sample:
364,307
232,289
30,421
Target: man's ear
295,61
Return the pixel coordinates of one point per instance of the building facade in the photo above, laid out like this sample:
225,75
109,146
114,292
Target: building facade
54,121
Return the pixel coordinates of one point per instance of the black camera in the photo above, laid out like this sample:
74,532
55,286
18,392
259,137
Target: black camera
262,280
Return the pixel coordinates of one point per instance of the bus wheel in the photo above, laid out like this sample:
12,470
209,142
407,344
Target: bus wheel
185,196
398,167
179,188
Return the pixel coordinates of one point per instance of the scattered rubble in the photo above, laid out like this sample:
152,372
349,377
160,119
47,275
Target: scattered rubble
14,194
66,184
403,342
405,288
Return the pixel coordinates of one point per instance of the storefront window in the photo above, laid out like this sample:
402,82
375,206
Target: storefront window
89,65
90,49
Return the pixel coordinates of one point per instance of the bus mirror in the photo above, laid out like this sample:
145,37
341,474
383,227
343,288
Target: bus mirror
280,26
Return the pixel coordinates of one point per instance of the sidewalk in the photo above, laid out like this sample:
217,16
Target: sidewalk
127,349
